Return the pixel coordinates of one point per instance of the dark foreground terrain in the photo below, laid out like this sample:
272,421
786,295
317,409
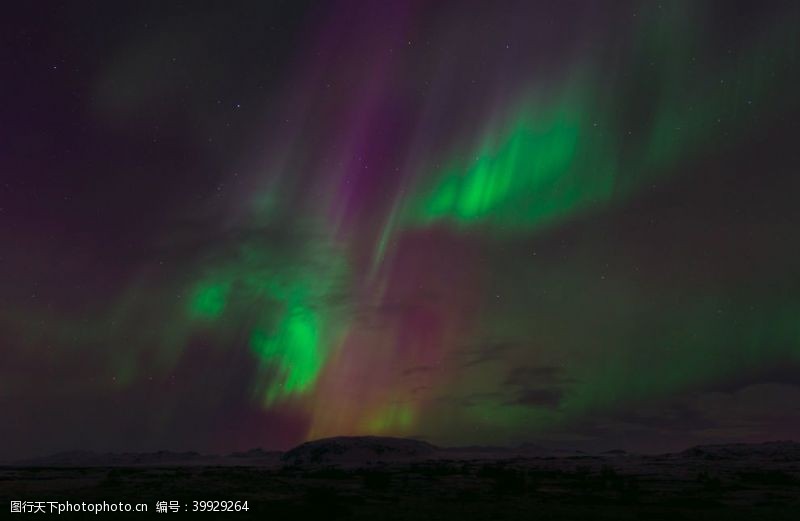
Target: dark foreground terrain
380,478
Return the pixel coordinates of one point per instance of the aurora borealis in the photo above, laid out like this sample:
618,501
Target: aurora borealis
256,224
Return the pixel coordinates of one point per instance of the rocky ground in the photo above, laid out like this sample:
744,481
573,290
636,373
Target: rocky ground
381,478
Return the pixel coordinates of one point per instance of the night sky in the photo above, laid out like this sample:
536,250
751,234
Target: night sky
232,225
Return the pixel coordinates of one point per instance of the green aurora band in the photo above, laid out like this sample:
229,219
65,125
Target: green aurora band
560,151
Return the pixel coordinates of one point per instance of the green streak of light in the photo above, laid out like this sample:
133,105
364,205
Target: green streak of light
209,299
522,176
294,349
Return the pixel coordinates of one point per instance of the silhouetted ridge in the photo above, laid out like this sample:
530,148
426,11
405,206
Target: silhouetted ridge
358,449
90,459
775,450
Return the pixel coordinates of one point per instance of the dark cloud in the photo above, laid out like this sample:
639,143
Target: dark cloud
542,387
419,369
527,376
485,353
547,398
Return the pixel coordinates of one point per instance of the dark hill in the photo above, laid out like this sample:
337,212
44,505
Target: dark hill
357,450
